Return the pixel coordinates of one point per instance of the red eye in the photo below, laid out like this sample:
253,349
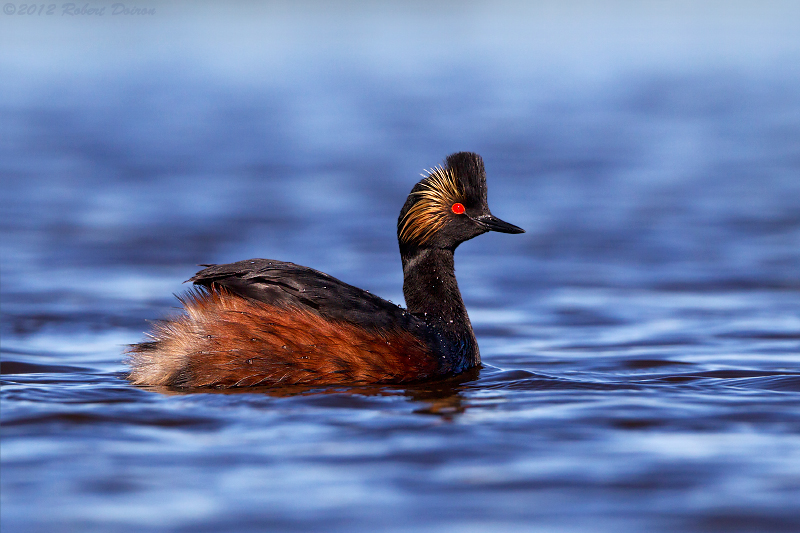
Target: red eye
458,209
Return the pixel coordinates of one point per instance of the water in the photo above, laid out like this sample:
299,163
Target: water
641,342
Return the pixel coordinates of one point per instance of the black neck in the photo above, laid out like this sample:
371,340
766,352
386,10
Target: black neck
431,292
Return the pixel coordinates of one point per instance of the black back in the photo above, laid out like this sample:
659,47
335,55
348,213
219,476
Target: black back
289,285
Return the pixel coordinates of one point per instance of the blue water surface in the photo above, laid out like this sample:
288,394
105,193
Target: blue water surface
641,342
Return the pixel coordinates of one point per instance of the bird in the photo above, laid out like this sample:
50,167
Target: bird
263,322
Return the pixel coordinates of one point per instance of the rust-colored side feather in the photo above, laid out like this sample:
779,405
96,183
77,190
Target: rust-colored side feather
225,340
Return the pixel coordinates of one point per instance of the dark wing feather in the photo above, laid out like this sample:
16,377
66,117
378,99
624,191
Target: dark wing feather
289,285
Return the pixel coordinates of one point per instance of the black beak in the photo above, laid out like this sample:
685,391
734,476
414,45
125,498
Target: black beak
492,223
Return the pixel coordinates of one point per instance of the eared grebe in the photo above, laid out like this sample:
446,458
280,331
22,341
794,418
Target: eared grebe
265,322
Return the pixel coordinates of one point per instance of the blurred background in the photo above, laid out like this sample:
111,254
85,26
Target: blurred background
650,149
622,135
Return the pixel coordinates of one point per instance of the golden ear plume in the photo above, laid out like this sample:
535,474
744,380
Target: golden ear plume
440,190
